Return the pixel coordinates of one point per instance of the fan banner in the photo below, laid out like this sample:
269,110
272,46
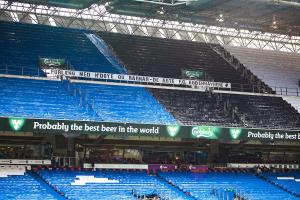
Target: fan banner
74,128
135,78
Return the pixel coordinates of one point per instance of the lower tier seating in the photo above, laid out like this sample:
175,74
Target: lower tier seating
108,185
17,184
288,181
248,185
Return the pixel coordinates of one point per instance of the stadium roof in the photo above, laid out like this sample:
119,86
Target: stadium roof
279,16
107,15
75,4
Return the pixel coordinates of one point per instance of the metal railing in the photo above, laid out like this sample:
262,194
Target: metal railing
161,194
64,161
226,194
235,87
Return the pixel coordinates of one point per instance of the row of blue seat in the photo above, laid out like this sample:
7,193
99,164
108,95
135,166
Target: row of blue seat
247,185
291,183
139,182
24,187
23,44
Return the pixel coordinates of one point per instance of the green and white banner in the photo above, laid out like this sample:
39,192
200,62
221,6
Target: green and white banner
52,63
192,74
45,126
135,78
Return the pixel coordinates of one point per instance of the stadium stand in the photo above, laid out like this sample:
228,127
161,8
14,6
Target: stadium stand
193,108
40,99
166,58
114,184
23,44
163,57
288,181
125,104
284,67
264,111
249,186
16,183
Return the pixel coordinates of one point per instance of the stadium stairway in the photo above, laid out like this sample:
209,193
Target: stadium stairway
258,85
44,184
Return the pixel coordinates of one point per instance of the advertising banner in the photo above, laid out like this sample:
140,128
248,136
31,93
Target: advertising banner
192,74
47,126
52,63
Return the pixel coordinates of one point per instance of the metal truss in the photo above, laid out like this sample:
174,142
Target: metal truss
98,18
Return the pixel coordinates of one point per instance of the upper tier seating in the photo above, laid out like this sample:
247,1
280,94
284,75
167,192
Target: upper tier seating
125,104
275,68
165,58
23,187
22,45
248,185
39,99
85,185
288,181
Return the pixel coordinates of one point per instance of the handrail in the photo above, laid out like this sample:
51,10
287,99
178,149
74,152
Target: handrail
235,87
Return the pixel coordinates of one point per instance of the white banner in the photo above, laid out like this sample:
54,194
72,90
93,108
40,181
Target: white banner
25,162
120,166
252,165
135,78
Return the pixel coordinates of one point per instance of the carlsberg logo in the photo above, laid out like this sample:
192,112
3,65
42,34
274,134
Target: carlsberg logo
235,132
16,124
173,130
202,131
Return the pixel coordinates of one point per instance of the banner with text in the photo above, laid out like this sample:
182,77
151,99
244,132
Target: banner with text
135,78
45,126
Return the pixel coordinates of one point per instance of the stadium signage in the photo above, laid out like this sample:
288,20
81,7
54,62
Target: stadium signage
52,62
135,78
74,128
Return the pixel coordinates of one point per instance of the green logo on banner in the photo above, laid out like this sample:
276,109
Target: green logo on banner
203,131
173,130
235,133
16,124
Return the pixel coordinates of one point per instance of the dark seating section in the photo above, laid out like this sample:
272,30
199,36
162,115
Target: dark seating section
194,108
265,111
164,57
22,45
